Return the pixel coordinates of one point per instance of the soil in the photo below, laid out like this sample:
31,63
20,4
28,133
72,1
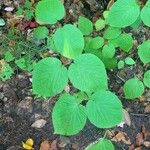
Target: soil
19,109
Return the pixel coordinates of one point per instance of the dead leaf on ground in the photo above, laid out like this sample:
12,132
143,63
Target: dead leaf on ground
46,145
147,109
121,136
127,118
146,133
139,139
147,144
138,148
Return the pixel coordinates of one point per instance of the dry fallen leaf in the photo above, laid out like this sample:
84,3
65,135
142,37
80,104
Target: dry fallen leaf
147,144
46,145
146,133
139,139
147,109
127,119
121,136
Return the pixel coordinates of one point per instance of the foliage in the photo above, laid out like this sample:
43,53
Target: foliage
123,13
144,52
89,52
40,32
71,120
125,42
85,66
101,144
112,33
49,11
129,61
133,88
145,14
146,79
99,24
85,25
49,77
69,41
100,114
26,10
2,22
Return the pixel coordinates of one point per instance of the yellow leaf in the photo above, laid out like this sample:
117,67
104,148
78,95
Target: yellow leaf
29,142
28,145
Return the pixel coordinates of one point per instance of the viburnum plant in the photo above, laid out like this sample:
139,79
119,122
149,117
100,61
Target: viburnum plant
90,56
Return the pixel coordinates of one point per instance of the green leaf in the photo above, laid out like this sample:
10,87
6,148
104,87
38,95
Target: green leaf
88,73
102,144
112,33
99,24
40,32
85,25
69,41
2,22
29,14
108,51
125,42
123,13
6,72
21,63
105,14
146,79
110,63
28,4
68,116
104,109
121,64
133,88
49,77
129,61
137,23
9,56
49,11
96,43
144,52
145,13
19,11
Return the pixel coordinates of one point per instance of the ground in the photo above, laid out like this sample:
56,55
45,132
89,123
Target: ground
24,116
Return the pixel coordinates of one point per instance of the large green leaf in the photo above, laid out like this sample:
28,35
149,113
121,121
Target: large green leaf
69,117
69,41
88,73
85,25
102,144
144,52
145,14
104,109
49,77
133,88
49,11
123,13
146,79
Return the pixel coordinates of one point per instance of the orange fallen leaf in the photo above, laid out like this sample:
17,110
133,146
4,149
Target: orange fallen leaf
45,145
121,136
